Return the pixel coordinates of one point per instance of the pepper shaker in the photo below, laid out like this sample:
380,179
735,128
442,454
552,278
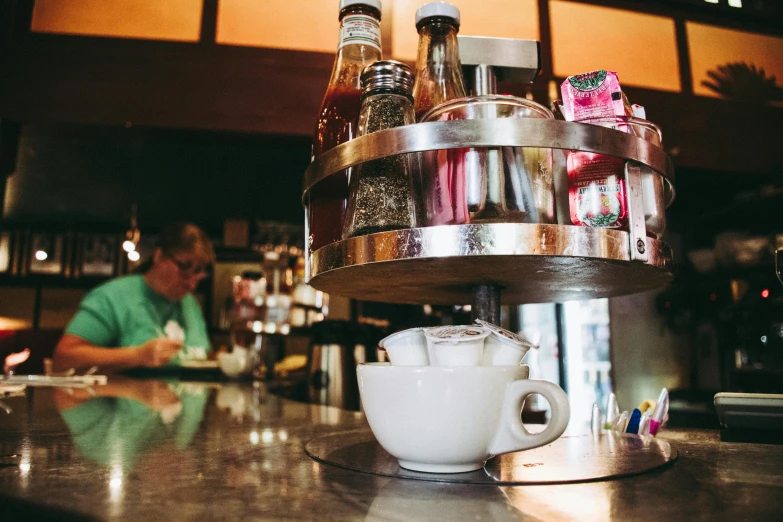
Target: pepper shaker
380,191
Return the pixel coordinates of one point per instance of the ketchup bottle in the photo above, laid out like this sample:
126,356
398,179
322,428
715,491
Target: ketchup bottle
359,45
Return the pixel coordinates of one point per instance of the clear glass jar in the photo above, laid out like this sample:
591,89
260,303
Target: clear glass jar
597,195
380,191
487,185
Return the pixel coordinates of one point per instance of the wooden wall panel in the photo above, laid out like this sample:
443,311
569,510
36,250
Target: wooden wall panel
88,80
205,86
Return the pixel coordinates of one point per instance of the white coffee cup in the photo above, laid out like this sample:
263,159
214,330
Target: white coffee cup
235,363
453,419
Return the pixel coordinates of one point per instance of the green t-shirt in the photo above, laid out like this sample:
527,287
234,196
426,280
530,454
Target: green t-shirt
127,312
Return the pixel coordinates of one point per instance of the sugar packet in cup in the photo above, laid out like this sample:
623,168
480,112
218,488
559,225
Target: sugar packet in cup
596,185
594,94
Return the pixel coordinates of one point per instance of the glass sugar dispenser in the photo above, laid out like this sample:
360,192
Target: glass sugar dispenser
489,184
381,191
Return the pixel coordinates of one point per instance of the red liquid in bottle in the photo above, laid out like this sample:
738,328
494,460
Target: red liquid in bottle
337,123
338,118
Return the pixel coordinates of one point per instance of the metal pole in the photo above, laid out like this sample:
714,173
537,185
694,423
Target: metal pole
486,303
484,80
561,346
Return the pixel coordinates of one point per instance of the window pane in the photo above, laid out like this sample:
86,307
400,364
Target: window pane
159,20
499,18
640,48
711,47
308,25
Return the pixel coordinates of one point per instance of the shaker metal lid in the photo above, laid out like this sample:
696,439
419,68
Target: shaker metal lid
433,9
372,3
387,74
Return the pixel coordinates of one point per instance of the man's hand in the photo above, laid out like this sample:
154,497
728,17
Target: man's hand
157,352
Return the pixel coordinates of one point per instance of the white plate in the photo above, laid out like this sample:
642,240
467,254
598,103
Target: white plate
750,410
10,389
200,365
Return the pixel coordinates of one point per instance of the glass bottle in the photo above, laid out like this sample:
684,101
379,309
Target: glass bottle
380,195
359,45
438,80
438,69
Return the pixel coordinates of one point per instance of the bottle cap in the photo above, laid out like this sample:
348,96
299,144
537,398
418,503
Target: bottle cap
387,74
432,9
372,3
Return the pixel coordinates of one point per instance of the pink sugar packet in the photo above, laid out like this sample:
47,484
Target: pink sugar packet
596,188
595,94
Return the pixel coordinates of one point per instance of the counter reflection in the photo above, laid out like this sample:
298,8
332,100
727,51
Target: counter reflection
405,500
117,424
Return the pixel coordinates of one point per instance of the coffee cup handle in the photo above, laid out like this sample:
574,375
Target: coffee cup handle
512,434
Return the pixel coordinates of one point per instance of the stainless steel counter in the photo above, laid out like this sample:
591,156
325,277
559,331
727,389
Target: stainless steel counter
151,450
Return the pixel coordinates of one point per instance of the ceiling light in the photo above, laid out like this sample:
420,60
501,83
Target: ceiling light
133,234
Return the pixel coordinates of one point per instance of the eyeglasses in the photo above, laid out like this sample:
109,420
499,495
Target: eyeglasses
189,268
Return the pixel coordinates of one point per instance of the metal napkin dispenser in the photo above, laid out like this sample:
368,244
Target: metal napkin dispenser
505,59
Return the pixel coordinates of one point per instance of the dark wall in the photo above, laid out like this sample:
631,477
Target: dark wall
89,176
80,166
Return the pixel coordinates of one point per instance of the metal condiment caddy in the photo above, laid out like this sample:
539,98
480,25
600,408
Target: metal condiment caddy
477,262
